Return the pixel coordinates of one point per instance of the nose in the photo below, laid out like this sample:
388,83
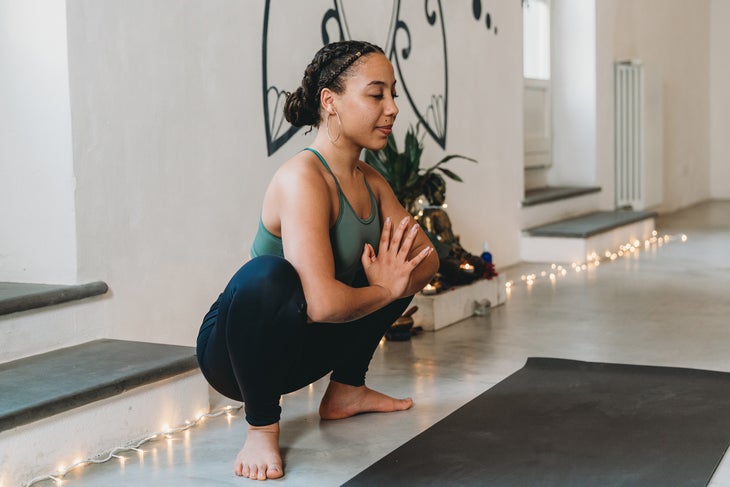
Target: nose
391,110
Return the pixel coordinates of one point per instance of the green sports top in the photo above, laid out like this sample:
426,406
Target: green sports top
348,235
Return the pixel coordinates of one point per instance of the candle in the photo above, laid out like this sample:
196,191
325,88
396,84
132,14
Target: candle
429,289
467,267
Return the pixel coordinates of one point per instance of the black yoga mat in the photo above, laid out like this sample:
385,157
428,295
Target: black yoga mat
573,424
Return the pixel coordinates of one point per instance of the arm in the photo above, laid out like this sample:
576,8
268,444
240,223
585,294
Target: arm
301,197
391,207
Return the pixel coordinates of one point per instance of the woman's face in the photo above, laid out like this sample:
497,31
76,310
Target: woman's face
367,106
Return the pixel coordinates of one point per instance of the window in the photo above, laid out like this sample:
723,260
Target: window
536,39
536,73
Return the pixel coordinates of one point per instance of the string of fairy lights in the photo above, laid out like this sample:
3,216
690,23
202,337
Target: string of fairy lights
115,454
593,260
552,273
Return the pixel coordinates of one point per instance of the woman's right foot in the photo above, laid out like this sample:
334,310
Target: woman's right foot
260,457
342,401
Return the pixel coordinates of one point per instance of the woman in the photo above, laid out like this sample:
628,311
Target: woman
335,261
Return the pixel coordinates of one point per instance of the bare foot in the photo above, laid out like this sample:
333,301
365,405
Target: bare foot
342,401
260,458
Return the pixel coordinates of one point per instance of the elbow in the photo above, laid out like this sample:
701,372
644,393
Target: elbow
317,313
323,310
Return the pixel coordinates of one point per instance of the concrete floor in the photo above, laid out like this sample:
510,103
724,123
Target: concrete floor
666,306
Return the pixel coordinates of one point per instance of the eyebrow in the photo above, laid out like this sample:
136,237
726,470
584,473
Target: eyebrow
380,83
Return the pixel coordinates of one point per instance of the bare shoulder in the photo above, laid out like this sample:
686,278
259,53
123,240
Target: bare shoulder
376,180
300,172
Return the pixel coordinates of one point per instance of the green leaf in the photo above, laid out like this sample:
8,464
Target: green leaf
454,156
451,174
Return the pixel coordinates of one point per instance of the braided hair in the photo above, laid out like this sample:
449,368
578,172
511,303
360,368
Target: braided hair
327,70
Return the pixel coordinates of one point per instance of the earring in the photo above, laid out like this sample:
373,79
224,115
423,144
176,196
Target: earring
339,128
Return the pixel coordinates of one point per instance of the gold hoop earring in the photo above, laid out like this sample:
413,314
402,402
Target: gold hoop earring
339,128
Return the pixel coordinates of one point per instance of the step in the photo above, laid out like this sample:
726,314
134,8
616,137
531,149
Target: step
548,194
540,207
54,315
21,296
578,238
81,401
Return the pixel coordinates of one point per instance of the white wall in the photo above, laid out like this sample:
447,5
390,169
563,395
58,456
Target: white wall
485,117
37,221
719,99
170,154
604,137
674,40
573,82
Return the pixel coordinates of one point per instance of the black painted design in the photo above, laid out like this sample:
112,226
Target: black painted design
331,14
276,134
476,7
433,116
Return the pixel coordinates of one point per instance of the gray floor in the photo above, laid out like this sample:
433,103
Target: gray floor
667,306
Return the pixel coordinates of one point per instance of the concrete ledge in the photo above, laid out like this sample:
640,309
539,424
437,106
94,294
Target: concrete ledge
20,296
594,223
556,193
579,249
41,448
440,310
41,386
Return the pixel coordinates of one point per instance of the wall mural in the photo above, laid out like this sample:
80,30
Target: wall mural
411,32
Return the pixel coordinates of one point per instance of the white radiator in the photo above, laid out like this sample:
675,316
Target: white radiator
638,136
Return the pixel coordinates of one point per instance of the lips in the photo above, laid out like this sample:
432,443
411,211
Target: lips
386,129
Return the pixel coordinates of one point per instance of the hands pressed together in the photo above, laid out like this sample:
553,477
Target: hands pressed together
390,268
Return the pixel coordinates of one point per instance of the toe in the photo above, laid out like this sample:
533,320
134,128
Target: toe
261,469
274,472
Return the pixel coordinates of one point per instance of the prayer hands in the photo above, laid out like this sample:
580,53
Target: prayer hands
391,268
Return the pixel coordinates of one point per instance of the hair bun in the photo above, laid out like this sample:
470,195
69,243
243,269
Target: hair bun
298,111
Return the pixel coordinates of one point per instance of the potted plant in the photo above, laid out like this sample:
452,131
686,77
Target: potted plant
403,171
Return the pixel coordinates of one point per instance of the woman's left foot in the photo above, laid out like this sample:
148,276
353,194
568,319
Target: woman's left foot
342,401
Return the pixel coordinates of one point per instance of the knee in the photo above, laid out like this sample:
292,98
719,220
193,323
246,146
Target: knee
269,277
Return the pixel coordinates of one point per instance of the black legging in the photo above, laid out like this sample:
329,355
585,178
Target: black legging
255,343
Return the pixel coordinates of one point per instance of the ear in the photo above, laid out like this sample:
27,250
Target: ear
327,100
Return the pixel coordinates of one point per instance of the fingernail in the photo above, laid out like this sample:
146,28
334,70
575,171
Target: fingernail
404,220
414,228
387,220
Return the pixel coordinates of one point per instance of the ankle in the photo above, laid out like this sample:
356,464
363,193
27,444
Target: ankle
269,428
